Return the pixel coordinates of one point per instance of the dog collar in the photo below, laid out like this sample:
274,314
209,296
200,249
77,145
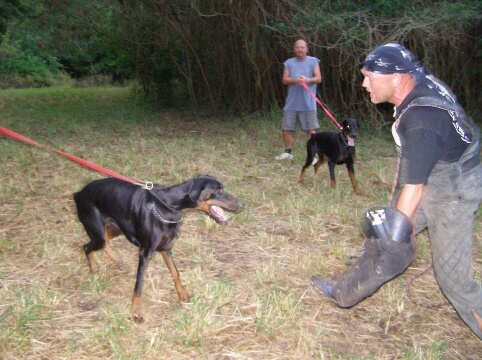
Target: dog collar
157,215
347,140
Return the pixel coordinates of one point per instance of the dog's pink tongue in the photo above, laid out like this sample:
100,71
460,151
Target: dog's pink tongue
351,141
218,212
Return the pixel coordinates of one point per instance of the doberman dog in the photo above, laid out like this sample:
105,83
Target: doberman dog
337,148
150,219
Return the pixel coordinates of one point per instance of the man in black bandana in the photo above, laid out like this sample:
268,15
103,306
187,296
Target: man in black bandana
439,184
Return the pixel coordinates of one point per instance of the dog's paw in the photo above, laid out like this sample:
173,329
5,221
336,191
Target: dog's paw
185,298
138,318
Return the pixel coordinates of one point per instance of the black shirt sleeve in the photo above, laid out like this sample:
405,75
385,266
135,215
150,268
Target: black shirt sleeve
420,135
420,153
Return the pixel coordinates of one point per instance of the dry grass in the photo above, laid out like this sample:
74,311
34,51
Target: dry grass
250,279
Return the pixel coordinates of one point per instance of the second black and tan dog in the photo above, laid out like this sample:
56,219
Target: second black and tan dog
336,148
150,219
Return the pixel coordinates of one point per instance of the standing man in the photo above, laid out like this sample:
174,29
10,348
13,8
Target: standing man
300,105
439,173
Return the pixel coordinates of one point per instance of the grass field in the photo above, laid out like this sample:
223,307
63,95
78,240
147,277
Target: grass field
249,280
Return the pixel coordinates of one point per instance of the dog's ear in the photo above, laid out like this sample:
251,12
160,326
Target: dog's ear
202,186
197,185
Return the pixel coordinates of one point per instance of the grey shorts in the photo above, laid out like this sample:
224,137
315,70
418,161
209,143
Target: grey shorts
308,120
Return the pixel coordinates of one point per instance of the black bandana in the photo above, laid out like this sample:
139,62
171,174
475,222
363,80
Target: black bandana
394,59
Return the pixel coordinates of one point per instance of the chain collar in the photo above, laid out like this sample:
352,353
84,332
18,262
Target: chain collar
157,215
344,140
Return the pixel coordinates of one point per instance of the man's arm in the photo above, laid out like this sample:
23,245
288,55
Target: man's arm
288,80
409,199
316,79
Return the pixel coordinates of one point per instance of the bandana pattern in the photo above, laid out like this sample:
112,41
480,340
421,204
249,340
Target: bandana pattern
394,58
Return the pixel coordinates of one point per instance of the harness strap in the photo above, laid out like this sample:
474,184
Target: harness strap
471,157
470,163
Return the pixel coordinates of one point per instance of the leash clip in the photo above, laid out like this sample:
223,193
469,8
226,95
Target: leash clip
147,185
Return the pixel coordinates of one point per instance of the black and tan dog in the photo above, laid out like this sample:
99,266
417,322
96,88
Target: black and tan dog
337,148
150,219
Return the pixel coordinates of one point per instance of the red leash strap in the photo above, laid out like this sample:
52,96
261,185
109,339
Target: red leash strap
321,104
83,162
409,284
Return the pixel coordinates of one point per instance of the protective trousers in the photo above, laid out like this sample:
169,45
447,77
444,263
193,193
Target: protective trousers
448,208
450,201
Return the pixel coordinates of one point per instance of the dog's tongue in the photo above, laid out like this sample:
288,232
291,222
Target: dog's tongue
351,141
218,213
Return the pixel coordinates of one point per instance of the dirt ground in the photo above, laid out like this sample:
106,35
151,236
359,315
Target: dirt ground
252,298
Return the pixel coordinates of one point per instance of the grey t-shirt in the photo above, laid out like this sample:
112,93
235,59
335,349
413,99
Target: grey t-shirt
298,98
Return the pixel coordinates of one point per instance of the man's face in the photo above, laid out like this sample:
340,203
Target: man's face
301,49
380,87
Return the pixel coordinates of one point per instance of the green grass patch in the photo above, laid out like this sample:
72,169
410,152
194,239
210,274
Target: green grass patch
249,280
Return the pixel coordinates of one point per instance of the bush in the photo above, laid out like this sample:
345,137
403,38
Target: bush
22,64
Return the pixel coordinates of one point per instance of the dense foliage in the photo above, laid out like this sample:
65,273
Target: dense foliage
228,55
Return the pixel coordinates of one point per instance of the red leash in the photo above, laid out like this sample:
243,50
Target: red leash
83,162
321,104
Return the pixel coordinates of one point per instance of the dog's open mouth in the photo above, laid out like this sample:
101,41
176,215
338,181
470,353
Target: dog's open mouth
218,214
351,141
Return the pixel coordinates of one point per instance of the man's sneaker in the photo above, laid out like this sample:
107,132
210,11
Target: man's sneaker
284,155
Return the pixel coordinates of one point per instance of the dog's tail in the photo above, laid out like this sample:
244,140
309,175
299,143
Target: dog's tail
311,150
